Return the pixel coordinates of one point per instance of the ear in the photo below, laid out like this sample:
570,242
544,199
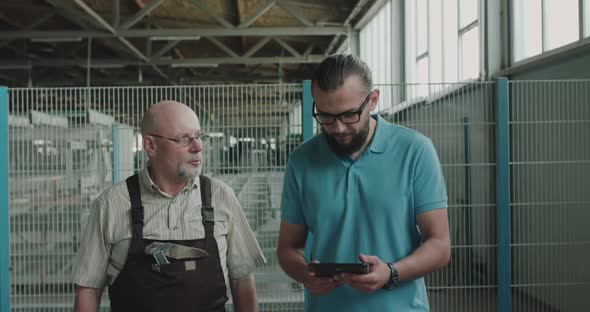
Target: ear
374,100
149,146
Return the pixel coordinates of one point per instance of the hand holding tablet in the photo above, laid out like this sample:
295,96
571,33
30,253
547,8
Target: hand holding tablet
331,269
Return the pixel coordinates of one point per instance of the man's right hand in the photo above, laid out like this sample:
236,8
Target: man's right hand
290,246
318,286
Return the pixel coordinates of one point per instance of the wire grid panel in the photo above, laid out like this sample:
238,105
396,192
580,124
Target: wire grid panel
459,119
550,163
69,144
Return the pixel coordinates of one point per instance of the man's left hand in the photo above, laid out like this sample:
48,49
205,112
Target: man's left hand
377,277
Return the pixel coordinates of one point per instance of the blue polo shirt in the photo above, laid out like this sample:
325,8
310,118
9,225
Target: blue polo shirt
368,205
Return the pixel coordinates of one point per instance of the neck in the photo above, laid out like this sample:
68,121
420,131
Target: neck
372,125
168,185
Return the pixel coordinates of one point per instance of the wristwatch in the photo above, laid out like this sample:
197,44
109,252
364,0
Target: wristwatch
393,279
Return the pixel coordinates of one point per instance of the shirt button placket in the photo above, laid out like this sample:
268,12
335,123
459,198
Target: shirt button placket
172,216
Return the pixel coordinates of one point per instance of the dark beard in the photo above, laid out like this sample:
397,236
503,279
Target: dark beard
355,145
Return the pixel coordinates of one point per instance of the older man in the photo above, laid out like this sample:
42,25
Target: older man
168,239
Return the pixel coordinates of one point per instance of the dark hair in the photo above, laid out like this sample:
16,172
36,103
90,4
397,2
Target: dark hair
333,71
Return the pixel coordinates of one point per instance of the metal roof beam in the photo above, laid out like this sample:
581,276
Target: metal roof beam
243,60
205,8
257,46
261,10
97,18
187,62
202,32
116,13
166,48
295,14
112,30
223,47
87,23
373,10
66,11
143,12
308,50
355,11
39,22
287,47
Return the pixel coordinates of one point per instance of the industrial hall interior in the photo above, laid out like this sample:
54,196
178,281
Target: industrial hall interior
500,87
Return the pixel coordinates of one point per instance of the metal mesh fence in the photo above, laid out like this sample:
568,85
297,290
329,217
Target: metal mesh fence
550,204
67,145
459,119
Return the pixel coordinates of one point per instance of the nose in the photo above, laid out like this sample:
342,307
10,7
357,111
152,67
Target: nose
338,127
196,145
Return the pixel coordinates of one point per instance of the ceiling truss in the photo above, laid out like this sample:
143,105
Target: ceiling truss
137,40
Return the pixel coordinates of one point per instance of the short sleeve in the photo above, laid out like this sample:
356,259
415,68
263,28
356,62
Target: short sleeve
244,253
92,258
291,210
429,184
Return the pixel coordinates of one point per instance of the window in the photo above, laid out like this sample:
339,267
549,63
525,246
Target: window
469,53
442,41
542,25
562,22
375,48
467,12
422,27
422,66
528,36
586,17
469,39
375,45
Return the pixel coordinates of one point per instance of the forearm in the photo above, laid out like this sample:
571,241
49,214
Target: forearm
244,294
87,299
293,262
432,255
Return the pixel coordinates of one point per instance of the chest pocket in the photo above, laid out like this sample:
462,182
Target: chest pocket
194,224
221,227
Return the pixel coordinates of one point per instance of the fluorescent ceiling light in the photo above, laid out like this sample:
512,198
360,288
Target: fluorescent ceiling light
181,65
103,65
174,38
15,66
64,39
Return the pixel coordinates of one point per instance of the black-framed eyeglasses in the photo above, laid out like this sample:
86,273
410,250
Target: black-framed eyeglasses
345,117
186,140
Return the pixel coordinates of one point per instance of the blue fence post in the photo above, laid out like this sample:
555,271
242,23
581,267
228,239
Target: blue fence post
306,111
503,195
4,205
115,153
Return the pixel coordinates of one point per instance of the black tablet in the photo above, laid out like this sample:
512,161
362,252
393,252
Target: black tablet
330,269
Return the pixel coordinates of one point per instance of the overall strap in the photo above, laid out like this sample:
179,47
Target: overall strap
136,205
207,209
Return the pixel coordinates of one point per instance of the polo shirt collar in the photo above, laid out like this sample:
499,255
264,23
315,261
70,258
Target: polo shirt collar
379,141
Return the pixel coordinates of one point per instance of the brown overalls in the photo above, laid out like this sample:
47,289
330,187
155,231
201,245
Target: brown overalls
176,287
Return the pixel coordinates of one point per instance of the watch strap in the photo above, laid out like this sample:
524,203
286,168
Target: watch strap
394,277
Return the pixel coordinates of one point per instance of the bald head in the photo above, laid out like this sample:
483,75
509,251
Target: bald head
164,115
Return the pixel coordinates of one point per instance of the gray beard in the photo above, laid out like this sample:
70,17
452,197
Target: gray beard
188,172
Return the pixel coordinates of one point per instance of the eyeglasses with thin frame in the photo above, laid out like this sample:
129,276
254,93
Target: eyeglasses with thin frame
185,140
345,117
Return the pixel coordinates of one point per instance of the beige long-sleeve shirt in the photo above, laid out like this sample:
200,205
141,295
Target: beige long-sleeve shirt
104,246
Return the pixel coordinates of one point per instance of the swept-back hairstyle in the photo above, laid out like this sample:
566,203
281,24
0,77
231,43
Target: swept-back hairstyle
331,73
